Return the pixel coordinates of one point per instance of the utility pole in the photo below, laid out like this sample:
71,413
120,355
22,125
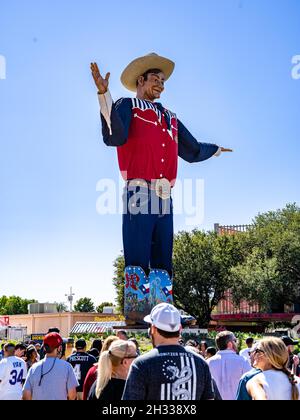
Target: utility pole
70,299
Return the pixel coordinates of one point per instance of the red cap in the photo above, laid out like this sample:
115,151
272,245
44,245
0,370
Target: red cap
53,340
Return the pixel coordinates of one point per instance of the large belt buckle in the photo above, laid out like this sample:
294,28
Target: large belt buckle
137,183
163,188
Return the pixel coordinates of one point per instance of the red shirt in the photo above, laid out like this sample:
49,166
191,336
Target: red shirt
91,377
151,150
149,139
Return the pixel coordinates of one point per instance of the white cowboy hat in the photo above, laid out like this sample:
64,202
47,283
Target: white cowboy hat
142,64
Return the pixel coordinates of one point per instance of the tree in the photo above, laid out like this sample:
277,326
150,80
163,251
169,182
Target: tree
100,308
257,281
61,307
84,305
202,263
3,301
14,305
261,266
119,282
271,273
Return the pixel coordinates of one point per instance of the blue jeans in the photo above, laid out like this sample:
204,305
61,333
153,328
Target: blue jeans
147,229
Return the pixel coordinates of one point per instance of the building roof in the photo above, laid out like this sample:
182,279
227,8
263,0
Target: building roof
254,317
95,327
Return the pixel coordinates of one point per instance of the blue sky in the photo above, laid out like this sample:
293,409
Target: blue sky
232,86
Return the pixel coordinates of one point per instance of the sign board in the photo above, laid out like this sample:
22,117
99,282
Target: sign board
4,321
113,318
195,330
38,338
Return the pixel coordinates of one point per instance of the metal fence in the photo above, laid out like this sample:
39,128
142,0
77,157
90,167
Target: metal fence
231,229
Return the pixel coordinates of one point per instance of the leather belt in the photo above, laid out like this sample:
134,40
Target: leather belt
162,187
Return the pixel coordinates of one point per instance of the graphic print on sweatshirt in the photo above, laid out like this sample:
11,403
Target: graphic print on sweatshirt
180,382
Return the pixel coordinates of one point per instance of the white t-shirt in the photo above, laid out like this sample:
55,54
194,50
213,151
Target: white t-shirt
245,354
13,373
276,385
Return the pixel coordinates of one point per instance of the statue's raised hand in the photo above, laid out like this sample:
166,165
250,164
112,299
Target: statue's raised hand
100,82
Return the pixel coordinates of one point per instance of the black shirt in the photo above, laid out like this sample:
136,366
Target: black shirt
81,362
169,373
112,392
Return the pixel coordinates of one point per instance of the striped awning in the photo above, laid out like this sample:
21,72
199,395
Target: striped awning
95,327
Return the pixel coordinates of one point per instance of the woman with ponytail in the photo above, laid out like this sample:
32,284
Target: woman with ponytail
275,382
113,370
91,376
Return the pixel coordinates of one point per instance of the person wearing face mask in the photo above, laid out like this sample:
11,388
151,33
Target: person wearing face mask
149,139
168,372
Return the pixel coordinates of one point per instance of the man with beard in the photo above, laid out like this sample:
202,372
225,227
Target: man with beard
168,372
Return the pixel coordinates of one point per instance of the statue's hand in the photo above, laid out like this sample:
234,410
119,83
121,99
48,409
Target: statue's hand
223,150
102,84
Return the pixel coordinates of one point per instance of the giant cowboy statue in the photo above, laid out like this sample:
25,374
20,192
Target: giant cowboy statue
149,138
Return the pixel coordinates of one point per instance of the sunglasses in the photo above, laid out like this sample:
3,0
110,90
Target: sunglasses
131,357
258,351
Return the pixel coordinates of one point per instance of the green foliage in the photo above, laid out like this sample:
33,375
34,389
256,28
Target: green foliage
142,338
202,263
257,280
61,307
84,305
14,305
270,275
100,308
261,266
119,282
88,337
241,337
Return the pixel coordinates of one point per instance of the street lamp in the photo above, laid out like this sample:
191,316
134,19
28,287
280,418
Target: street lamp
70,299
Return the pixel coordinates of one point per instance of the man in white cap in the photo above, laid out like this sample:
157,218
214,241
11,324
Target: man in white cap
168,372
149,138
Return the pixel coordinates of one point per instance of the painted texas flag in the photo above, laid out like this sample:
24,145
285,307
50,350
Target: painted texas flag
145,288
168,290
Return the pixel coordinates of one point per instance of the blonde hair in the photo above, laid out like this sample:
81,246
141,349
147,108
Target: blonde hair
118,351
276,352
107,342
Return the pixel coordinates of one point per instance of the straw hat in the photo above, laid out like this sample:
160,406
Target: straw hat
142,64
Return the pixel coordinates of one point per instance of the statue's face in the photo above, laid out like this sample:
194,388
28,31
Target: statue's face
153,87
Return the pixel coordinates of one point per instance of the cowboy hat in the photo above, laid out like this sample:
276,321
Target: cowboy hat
140,65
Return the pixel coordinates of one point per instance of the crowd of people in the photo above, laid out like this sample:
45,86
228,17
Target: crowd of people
115,369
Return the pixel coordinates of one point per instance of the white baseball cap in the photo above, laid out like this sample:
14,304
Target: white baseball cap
165,317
